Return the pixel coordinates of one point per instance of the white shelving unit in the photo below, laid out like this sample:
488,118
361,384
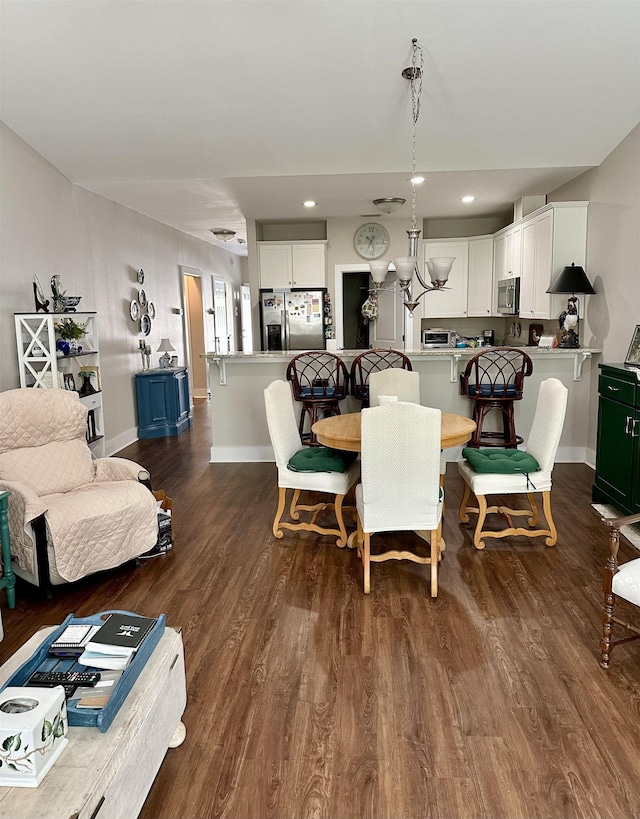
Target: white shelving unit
40,366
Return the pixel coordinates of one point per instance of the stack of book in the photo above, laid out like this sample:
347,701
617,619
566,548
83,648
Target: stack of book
115,643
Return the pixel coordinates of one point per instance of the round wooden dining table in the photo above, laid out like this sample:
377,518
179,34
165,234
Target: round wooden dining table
343,431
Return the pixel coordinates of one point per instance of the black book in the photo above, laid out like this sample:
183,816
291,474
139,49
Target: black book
122,634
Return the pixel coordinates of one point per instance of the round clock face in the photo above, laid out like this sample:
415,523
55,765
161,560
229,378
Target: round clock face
371,241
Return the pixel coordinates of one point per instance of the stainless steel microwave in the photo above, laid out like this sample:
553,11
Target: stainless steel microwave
432,339
509,296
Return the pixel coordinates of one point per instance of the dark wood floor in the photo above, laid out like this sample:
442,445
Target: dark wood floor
308,699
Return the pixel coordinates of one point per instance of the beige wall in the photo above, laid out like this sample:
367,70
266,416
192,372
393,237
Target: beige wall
49,225
613,252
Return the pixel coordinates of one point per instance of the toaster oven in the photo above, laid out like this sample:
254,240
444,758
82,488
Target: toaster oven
432,339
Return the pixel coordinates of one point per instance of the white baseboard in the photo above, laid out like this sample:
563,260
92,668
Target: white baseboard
121,441
590,458
241,454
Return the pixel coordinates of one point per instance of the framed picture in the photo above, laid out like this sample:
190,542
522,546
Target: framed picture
633,356
69,381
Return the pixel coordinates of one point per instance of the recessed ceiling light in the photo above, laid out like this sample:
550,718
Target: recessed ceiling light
309,203
468,199
417,180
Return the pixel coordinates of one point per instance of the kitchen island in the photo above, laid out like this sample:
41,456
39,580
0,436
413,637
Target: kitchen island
237,382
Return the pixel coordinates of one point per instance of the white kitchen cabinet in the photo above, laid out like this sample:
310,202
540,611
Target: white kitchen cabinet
553,237
452,302
292,264
507,246
40,366
480,278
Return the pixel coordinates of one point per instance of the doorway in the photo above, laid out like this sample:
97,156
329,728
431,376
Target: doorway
355,328
391,326
222,335
194,331
245,319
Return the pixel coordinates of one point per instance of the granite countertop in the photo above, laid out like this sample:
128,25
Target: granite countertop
437,353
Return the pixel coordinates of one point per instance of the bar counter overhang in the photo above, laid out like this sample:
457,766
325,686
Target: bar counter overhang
237,381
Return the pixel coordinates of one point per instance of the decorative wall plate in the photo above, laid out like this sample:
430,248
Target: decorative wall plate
145,324
151,310
142,298
141,276
133,310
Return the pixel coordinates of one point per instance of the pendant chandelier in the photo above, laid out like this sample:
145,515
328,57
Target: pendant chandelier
439,267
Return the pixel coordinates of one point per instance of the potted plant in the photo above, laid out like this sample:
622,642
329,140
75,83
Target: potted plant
69,332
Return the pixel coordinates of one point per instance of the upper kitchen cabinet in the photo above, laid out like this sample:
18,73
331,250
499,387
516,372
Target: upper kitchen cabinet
452,302
292,264
506,252
552,237
480,280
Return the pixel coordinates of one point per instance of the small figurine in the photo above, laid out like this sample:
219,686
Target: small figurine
568,321
58,294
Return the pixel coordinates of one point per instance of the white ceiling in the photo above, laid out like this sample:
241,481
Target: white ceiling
205,114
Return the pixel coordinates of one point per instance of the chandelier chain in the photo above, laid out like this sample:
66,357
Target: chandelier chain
415,79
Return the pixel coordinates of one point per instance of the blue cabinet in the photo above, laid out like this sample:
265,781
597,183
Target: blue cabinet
163,402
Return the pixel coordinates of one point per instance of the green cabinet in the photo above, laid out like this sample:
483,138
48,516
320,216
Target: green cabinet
617,479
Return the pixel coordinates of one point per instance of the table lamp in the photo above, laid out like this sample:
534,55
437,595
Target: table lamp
165,348
572,280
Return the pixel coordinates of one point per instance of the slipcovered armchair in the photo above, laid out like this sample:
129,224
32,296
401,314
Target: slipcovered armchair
70,515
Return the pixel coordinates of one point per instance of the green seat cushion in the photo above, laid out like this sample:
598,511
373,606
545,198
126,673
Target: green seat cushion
500,461
321,459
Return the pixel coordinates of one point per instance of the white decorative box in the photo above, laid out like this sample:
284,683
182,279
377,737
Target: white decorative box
33,729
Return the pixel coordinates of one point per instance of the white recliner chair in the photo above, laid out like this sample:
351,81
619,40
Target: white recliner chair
70,515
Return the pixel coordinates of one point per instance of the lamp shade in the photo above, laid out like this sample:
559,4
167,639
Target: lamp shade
573,279
405,265
165,346
379,270
439,268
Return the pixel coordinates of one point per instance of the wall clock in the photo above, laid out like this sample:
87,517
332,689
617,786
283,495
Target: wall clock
371,240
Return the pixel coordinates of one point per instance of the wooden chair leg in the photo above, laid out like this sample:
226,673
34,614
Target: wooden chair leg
607,627
463,512
533,520
341,542
546,506
282,499
435,556
293,512
366,562
482,514
358,536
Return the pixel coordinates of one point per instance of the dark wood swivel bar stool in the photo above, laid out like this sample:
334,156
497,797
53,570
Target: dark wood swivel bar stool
493,379
372,361
320,381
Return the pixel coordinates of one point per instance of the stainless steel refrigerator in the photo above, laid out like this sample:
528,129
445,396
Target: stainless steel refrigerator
292,319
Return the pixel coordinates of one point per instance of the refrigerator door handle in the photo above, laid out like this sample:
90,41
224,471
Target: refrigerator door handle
286,344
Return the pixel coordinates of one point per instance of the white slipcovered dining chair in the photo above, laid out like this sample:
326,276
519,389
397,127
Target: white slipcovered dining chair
405,384
619,581
400,489
406,387
542,444
286,442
